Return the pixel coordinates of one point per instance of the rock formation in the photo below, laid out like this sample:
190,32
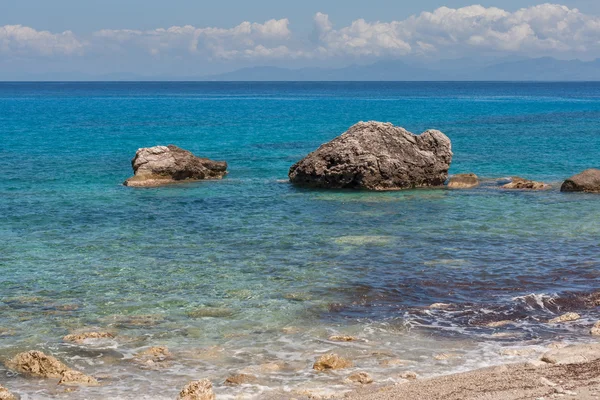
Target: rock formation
587,181
82,337
240,379
568,317
525,184
161,165
40,365
361,377
463,181
197,390
376,156
331,361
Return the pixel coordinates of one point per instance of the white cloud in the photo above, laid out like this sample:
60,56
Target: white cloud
545,29
243,41
25,41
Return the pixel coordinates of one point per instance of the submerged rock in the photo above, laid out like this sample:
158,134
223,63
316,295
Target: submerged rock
37,364
525,184
361,377
568,317
595,331
342,338
331,361
161,165
153,357
587,181
197,390
72,377
6,395
377,156
463,181
240,379
82,337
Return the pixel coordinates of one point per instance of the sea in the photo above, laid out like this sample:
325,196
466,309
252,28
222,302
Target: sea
252,275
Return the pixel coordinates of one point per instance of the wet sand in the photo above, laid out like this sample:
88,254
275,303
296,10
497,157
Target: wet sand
574,372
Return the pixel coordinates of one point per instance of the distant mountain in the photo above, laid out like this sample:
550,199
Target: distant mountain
538,69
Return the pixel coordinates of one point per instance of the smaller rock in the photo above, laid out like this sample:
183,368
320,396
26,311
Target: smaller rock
82,337
240,379
572,354
157,353
6,395
568,317
394,362
197,390
517,352
37,364
463,181
342,338
409,375
331,361
440,306
499,324
72,377
361,377
587,181
525,184
210,312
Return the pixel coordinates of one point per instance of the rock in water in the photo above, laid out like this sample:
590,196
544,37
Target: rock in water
37,364
331,361
587,181
377,156
161,165
5,394
463,181
197,390
525,184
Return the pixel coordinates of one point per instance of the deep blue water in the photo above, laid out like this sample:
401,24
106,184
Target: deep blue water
274,256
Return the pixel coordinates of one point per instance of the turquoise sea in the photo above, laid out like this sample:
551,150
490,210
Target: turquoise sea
250,274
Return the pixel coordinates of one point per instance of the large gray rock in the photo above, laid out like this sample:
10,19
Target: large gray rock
161,165
587,181
377,156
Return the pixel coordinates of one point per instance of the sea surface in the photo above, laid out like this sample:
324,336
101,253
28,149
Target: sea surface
250,274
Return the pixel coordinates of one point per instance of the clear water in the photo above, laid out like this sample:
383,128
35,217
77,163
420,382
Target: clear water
248,271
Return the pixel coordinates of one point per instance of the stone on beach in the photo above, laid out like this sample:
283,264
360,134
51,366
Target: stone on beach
82,337
463,181
197,390
525,184
573,354
568,317
6,395
595,331
587,181
161,165
361,377
410,375
376,156
331,361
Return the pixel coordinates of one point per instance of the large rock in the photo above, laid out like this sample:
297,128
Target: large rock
5,394
39,365
377,156
331,361
161,165
587,181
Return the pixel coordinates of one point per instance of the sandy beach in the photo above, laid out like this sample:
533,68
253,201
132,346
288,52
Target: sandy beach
573,372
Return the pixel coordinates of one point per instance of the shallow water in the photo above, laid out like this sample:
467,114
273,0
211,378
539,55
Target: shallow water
252,274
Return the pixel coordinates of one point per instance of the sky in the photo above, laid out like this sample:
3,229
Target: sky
197,37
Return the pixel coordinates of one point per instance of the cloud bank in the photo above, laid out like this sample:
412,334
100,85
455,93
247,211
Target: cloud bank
547,29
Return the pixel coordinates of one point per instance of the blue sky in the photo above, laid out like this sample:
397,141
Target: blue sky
193,37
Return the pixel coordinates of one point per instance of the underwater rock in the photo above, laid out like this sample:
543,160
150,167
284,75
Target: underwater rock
411,376
82,337
210,312
587,181
361,377
240,379
342,338
37,364
72,377
6,395
161,165
463,181
197,390
376,156
568,317
525,184
153,356
331,361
